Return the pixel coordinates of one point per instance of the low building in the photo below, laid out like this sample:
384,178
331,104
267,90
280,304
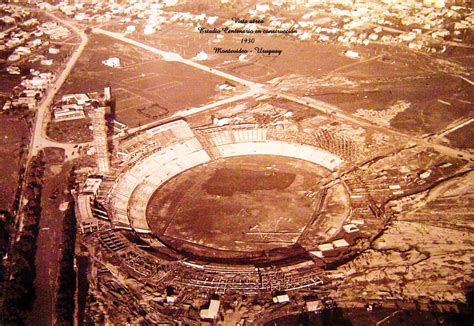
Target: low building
92,186
52,50
201,56
47,62
351,54
313,305
113,62
340,243
281,298
29,102
79,99
67,114
350,228
12,70
213,310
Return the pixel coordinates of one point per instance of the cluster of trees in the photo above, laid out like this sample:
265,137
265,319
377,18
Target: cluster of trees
67,274
4,241
19,291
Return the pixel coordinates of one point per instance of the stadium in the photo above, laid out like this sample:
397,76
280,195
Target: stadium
245,207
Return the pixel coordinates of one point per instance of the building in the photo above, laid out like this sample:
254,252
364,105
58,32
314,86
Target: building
113,62
65,114
313,305
107,93
53,50
212,311
91,187
351,54
281,298
79,99
46,62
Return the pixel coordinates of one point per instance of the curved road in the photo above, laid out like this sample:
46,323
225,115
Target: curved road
38,138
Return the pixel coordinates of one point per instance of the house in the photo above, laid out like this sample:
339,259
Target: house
112,62
211,20
47,62
221,122
22,50
7,105
53,50
326,247
130,29
170,295
350,228
226,87
149,29
340,243
13,57
12,70
351,54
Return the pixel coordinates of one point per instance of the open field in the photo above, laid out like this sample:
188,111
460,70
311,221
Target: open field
434,102
462,137
381,77
70,131
146,88
256,67
246,203
13,133
314,59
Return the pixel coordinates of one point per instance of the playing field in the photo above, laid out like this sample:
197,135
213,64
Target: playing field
245,204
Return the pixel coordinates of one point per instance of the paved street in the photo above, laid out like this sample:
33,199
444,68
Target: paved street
39,139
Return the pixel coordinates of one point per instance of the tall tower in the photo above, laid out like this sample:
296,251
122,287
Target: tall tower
107,93
110,101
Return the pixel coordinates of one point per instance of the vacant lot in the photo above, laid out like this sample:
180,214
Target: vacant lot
434,100
313,59
72,131
297,57
462,137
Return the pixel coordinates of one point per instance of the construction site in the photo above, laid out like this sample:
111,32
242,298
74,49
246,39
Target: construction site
250,211
237,163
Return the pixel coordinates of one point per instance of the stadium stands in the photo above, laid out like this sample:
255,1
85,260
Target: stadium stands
256,140
158,154
86,220
152,158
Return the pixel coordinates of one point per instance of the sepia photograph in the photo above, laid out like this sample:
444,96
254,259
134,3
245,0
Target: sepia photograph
237,162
